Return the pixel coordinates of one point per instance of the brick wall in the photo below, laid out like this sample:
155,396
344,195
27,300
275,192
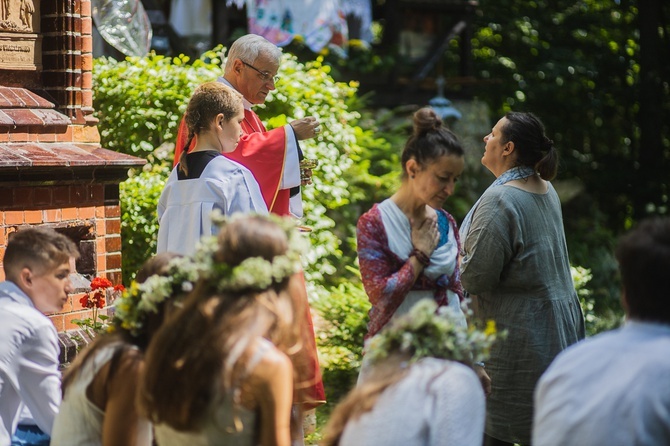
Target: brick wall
53,171
76,209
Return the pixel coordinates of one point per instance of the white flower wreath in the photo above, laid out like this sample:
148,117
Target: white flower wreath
254,273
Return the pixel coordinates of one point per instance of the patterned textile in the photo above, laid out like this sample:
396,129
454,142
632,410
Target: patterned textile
388,279
320,23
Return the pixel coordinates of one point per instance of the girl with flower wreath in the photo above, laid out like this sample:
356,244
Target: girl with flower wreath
99,387
219,372
421,388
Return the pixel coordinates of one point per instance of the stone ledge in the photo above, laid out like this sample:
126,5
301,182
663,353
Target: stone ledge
71,343
24,157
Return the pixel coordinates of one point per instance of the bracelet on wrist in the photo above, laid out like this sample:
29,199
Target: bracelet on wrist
421,256
480,364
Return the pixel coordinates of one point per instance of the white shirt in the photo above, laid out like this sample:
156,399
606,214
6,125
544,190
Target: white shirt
437,403
612,389
28,363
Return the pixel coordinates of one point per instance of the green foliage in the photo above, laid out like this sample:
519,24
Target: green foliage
578,66
343,311
139,224
140,101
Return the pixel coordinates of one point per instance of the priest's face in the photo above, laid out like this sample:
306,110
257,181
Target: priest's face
257,79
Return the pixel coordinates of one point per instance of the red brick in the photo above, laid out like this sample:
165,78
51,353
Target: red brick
101,262
59,322
69,325
112,211
52,215
33,217
87,59
113,226
2,271
86,28
113,244
86,8
43,137
69,214
87,98
86,212
65,136
86,133
14,218
100,246
114,261
19,136
100,227
87,80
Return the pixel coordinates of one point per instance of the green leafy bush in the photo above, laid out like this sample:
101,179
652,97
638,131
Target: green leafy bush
140,101
139,196
344,315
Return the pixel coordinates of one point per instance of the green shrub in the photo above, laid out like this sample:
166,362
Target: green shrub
344,315
140,101
139,226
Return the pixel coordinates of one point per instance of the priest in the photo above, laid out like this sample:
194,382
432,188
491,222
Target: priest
272,156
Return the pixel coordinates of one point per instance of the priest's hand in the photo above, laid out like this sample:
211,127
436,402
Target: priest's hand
306,128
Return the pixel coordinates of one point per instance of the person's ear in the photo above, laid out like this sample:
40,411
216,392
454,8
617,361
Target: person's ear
508,149
238,66
412,167
26,278
220,120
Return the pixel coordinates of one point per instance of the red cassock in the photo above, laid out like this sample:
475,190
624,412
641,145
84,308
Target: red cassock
263,153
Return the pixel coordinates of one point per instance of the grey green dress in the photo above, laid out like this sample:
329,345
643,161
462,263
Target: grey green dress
516,263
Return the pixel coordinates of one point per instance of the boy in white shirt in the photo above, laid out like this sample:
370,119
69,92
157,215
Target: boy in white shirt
37,264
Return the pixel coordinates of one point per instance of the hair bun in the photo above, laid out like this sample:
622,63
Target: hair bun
425,120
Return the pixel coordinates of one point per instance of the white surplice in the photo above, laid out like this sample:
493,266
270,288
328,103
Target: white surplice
185,206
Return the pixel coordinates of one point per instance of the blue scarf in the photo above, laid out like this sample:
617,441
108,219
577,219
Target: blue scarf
515,173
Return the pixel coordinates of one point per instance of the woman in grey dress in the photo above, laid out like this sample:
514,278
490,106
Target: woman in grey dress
516,268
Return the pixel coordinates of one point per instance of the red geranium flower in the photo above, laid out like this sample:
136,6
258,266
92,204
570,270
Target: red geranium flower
100,283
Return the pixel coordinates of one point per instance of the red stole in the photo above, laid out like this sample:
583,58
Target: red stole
260,151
